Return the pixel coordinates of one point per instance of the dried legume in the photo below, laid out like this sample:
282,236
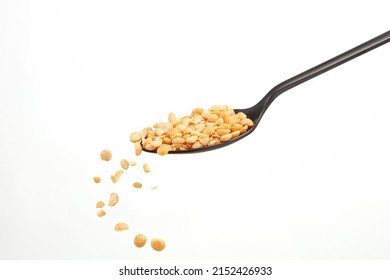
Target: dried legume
146,168
157,244
121,227
140,240
101,213
138,149
100,204
163,149
113,199
106,155
116,176
135,137
125,164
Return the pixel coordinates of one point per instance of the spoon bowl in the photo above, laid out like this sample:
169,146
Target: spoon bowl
256,112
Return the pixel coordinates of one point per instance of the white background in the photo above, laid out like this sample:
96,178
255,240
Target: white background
78,76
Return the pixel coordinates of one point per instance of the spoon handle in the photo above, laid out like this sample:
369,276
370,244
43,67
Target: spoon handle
325,66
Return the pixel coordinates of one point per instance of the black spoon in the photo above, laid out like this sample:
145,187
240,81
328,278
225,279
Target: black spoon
257,111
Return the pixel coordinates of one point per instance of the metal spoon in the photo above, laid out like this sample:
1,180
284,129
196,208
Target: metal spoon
256,112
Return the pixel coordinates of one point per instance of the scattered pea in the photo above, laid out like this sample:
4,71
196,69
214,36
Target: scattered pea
121,227
125,164
101,213
106,155
201,128
116,176
113,179
157,244
113,199
146,168
100,204
140,240
138,149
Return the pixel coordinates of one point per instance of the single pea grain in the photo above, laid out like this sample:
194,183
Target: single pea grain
100,204
116,176
121,227
137,149
157,244
113,199
106,155
96,179
101,213
146,168
172,118
140,240
125,164
163,149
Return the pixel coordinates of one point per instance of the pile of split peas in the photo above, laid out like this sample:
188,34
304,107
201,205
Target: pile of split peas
200,129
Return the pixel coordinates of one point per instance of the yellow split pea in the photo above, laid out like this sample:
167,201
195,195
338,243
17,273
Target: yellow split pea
100,204
101,213
135,137
146,167
137,149
114,198
121,227
96,179
125,164
140,240
157,244
116,176
106,155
